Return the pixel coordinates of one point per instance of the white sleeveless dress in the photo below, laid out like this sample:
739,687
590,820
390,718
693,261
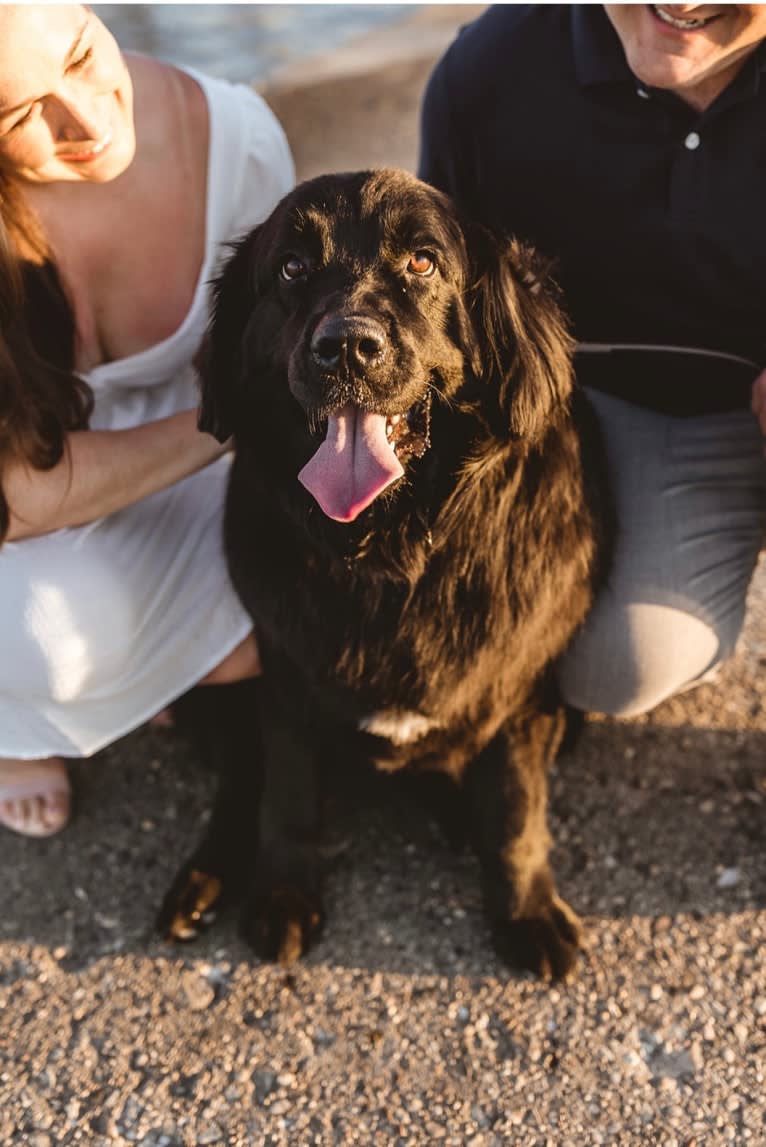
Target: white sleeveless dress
103,625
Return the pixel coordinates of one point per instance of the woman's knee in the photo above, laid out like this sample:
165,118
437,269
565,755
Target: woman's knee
646,655
67,631
243,662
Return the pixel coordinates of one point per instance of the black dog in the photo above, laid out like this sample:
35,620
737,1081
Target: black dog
410,526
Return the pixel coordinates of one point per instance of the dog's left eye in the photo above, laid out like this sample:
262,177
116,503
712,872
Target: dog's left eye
292,268
421,263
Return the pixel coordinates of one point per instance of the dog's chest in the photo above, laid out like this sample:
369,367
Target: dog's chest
399,726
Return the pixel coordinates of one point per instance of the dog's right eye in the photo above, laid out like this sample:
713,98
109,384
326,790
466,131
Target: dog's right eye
292,268
421,263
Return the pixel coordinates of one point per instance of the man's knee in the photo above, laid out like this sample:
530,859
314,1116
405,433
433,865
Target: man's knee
628,664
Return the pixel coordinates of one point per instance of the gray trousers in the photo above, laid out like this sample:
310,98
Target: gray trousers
691,510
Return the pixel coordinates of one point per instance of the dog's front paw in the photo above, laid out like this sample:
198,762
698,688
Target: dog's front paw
544,942
281,925
190,905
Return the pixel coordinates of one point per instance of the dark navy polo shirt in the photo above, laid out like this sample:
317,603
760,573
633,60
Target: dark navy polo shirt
654,214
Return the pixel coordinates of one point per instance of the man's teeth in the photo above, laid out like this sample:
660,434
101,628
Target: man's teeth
684,25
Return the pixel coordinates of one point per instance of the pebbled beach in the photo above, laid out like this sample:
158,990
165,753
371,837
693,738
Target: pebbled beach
402,1028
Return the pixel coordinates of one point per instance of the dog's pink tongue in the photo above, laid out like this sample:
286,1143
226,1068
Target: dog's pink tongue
353,465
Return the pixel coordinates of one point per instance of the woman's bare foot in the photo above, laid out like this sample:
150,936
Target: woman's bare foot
35,796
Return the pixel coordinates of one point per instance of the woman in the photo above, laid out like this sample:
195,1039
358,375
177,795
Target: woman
121,181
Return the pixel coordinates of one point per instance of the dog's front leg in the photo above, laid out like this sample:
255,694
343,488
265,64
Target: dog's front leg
283,914
507,784
221,719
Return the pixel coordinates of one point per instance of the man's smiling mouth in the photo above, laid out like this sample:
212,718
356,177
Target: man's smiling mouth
682,23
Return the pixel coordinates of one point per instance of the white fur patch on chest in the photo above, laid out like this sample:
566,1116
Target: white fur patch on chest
400,726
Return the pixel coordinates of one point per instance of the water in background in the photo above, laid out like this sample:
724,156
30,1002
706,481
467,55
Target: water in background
243,41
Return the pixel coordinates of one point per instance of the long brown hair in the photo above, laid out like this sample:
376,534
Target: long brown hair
41,398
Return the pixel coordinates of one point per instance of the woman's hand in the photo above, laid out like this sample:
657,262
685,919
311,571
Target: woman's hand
103,471
758,404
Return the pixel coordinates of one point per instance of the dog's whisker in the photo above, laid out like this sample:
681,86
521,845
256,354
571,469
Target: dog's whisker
444,399
316,422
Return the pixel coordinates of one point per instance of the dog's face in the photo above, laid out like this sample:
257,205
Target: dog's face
353,307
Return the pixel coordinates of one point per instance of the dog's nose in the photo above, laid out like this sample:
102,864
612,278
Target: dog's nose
351,340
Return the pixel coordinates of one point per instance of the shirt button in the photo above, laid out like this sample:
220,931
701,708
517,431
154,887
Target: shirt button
643,93
692,141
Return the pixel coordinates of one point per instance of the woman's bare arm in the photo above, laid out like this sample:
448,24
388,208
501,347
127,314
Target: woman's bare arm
103,471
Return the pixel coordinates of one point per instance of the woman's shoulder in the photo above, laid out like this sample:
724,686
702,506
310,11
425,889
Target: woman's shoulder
169,100
251,165
248,158
239,107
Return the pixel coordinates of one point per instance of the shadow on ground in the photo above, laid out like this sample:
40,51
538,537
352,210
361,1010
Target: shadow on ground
648,821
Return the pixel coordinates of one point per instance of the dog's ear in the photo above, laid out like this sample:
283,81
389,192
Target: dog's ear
219,358
523,331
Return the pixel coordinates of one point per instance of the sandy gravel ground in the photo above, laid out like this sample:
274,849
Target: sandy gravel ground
402,1027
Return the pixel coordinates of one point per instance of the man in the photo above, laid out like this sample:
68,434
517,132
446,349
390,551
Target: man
628,143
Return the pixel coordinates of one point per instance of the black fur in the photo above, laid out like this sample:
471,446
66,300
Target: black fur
452,594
